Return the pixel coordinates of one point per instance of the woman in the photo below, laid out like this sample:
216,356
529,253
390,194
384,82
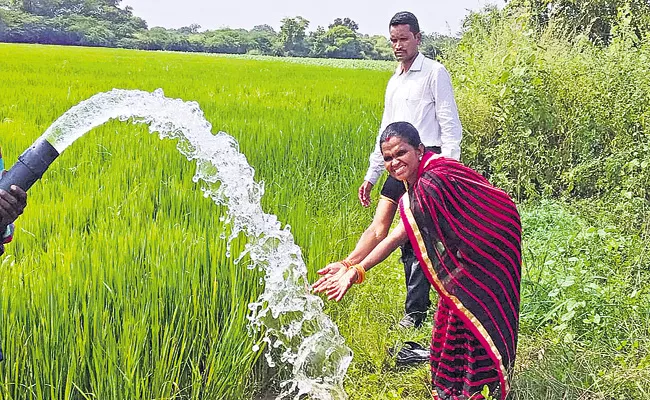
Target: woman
467,236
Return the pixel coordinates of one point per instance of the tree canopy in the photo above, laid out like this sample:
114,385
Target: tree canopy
105,23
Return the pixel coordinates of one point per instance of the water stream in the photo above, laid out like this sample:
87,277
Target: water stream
299,335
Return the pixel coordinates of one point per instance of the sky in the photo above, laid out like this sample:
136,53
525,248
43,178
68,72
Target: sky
372,16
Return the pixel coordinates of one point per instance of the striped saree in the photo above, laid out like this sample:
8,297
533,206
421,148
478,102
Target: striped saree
467,235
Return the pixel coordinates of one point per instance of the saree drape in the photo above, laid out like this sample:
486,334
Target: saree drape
467,235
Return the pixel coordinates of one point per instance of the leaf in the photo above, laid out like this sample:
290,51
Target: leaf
568,338
560,328
566,317
568,281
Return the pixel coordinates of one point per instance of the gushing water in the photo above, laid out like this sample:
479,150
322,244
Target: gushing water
299,335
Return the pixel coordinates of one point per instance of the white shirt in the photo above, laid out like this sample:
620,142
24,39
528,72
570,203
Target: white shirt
424,97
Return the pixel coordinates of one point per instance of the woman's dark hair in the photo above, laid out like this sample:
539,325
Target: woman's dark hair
405,18
402,130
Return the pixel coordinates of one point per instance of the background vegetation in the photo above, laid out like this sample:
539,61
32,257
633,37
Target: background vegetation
118,286
103,23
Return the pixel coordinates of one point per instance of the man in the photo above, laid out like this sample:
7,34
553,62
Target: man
419,92
12,204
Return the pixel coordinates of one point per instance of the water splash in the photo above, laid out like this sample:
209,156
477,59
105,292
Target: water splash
299,335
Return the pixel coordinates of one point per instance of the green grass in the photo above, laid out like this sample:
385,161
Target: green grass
117,285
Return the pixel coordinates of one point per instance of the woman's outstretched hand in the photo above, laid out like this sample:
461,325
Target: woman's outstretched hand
335,281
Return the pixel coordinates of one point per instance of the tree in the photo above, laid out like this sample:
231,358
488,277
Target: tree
318,42
228,41
268,29
594,18
435,45
347,22
376,47
342,43
192,28
292,36
87,31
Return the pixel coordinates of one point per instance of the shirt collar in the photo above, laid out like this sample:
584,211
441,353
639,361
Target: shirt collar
417,63
416,66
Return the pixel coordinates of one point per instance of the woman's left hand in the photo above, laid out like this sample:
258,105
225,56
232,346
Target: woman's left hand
329,274
336,281
340,287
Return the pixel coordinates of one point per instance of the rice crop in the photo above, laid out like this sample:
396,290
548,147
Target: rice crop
118,284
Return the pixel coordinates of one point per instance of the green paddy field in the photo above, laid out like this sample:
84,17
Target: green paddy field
117,285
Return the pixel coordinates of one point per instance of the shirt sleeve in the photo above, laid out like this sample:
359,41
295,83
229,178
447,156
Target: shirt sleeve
7,235
451,131
376,160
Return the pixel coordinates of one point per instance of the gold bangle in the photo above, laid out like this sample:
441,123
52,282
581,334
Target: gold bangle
361,273
346,263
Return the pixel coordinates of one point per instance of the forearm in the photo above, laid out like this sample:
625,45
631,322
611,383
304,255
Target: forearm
382,250
376,232
6,234
375,165
367,242
376,160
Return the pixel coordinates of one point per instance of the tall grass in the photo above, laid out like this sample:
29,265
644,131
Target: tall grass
118,285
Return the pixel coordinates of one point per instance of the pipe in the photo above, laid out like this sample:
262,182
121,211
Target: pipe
30,167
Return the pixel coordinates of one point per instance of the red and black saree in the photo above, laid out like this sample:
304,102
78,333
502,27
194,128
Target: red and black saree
467,235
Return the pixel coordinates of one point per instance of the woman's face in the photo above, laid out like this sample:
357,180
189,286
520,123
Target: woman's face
401,159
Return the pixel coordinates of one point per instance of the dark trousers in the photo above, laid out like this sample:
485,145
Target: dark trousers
417,285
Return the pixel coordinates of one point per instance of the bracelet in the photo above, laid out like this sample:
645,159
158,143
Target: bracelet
361,273
347,264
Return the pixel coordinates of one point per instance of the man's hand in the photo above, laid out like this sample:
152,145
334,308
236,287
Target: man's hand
364,193
12,205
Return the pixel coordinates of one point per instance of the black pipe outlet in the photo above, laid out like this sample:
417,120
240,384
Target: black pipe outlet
30,167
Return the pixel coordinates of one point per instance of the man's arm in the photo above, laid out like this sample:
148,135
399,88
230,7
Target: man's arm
451,131
6,235
12,204
376,160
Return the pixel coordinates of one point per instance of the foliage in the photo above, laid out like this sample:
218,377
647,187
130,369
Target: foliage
292,36
436,45
533,133
346,22
594,19
86,23
103,23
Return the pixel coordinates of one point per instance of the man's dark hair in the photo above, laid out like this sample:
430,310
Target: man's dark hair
402,130
405,18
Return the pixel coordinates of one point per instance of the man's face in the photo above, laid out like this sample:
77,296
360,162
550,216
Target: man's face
404,42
